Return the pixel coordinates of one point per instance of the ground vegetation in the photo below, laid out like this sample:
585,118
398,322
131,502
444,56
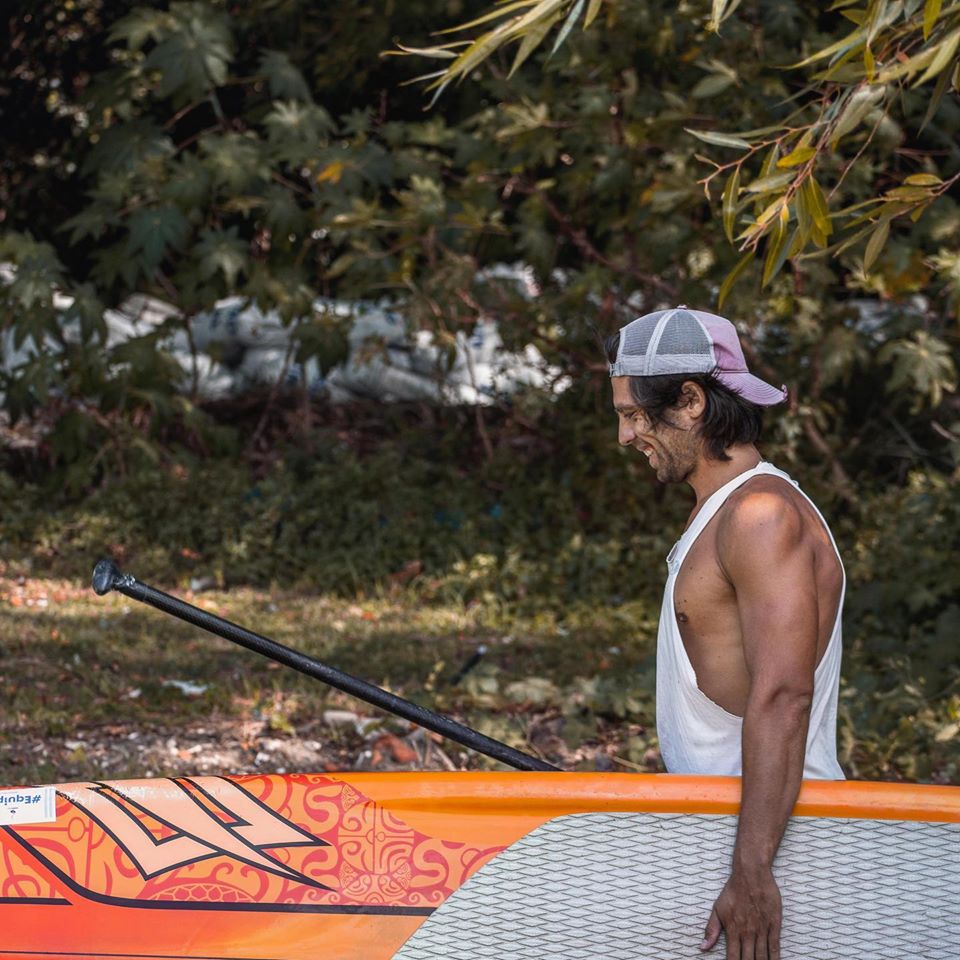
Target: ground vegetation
195,150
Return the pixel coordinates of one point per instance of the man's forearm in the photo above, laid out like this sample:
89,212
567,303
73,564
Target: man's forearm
774,745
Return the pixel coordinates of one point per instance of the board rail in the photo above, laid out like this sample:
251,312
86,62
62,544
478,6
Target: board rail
343,865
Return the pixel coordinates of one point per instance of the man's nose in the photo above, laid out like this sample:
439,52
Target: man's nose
625,433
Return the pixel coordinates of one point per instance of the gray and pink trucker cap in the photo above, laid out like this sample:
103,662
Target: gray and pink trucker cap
680,340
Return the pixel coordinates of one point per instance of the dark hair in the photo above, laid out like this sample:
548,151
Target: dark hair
729,418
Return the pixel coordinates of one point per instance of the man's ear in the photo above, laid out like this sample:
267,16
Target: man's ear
693,400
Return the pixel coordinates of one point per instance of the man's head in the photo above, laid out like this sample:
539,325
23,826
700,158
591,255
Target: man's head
682,390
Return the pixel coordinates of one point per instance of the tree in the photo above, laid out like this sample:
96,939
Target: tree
862,95
208,165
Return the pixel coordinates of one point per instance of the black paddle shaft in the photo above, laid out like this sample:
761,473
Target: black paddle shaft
107,577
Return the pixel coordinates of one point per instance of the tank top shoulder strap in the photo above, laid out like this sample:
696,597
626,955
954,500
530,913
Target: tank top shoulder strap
710,507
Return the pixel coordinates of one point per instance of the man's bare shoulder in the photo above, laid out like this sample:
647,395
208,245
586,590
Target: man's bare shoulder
766,515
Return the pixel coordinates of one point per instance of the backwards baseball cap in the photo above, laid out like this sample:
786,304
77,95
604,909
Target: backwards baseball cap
690,341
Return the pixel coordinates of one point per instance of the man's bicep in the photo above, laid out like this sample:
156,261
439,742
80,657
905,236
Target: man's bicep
771,566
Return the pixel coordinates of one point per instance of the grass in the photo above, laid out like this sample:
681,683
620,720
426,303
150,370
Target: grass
77,667
394,554
86,681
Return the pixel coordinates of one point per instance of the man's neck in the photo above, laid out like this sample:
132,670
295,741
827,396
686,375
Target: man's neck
710,475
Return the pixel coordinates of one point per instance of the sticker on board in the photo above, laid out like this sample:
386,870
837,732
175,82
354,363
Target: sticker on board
28,805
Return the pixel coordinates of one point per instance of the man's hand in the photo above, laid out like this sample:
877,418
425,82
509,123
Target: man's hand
749,911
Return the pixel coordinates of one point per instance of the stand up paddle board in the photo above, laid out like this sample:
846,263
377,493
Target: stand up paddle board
460,866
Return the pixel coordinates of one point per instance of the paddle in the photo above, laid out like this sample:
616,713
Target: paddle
107,577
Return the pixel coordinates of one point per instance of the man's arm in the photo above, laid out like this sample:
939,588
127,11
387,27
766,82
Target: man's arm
762,549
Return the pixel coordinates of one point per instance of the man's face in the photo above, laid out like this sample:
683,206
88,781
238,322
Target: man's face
672,449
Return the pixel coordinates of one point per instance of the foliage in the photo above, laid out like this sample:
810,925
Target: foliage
231,169
323,516
524,22
864,81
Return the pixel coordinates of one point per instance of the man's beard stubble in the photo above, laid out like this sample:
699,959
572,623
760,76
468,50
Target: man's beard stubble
675,463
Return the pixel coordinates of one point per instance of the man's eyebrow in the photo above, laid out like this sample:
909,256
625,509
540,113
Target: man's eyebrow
625,407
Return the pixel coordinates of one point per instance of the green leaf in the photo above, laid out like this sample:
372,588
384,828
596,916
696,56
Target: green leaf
938,91
543,8
87,310
140,26
818,206
91,222
125,146
153,230
720,10
499,11
592,10
795,244
796,157
189,183
718,139
777,248
907,67
774,209
572,18
716,14
711,85
222,251
908,193
840,46
770,161
444,51
923,364
876,243
194,57
284,80
300,123
530,42
931,10
774,182
923,180
114,263
38,271
804,216
881,15
732,277
476,53
857,107
945,52
483,46
282,213
234,159
731,193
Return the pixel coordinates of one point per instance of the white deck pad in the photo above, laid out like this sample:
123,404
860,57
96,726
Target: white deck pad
624,886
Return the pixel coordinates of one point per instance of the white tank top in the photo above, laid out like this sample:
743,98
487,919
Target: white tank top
696,734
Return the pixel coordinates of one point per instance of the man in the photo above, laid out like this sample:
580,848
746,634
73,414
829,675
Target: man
748,650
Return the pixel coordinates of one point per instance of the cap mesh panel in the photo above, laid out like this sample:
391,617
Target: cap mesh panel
682,334
636,335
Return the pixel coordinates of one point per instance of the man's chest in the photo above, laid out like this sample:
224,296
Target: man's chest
705,605
701,590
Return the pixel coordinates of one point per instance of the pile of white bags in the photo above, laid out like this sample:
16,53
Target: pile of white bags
237,347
